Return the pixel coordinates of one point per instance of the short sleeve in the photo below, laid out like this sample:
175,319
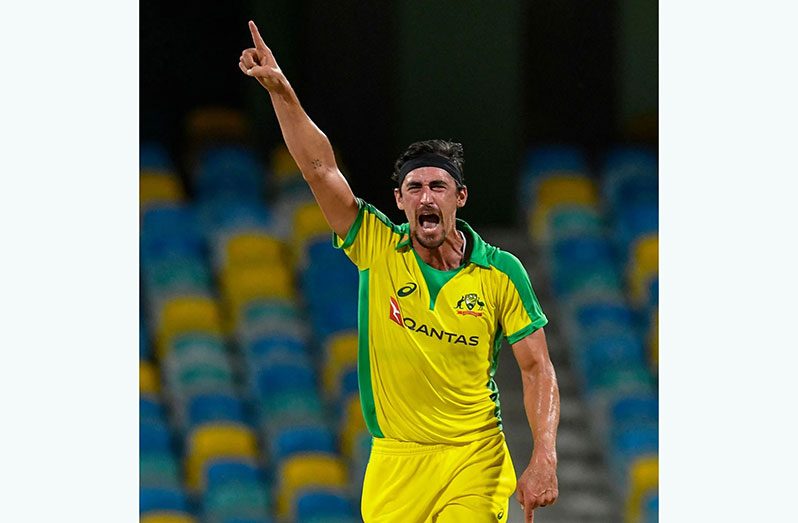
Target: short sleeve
519,312
369,236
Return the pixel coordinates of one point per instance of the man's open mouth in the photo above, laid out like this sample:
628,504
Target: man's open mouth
428,222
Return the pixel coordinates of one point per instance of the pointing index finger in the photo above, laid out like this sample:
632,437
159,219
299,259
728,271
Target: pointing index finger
256,38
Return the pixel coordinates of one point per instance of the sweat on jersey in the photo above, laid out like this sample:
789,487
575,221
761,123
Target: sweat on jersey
429,339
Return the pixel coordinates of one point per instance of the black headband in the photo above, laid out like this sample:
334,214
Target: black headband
431,160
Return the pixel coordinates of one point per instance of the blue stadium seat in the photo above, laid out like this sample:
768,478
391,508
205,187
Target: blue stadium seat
618,350
293,440
635,409
322,504
169,221
152,499
349,382
215,407
284,377
231,470
229,172
264,345
154,437
159,470
603,317
651,508
151,410
154,156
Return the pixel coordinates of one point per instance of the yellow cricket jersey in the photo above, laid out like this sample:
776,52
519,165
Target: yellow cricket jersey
429,339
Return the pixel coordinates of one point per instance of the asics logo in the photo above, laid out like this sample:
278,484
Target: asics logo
407,290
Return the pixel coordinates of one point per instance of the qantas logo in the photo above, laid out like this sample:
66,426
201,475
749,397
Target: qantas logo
395,314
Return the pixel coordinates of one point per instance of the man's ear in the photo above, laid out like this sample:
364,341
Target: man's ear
462,196
397,193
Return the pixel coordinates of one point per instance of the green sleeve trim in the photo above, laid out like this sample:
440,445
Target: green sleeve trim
353,229
363,359
512,267
526,331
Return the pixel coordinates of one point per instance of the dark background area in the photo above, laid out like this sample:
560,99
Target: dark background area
375,76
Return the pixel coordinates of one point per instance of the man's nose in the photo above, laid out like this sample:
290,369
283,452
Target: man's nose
426,194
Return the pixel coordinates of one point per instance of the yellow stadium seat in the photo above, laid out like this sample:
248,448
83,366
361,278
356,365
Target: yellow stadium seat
155,187
167,517
250,249
186,314
643,477
216,123
309,222
643,265
340,353
217,440
241,285
352,424
560,190
308,470
148,378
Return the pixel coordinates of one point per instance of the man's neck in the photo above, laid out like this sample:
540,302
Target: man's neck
449,255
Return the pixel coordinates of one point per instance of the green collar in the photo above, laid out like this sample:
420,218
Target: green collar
479,254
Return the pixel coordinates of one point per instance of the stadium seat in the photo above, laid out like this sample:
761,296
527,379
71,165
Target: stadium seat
628,446
305,471
352,425
544,161
161,499
322,505
251,249
643,267
243,285
567,221
148,378
651,507
231,470
229,172
154,437
167,517
208,125
289,409
242,500
159,470
184,315
153,156
159,187
309,222
206,408
150,409
643,480
560,191
340,352
217,440
285,377
290,441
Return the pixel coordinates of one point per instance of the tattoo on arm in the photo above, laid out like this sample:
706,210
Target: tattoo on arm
316,163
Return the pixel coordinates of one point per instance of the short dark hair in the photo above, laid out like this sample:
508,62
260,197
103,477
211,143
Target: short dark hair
451,150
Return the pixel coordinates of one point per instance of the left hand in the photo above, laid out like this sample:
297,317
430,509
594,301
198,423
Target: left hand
537,486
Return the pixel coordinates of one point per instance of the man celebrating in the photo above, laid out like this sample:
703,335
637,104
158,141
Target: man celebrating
435,303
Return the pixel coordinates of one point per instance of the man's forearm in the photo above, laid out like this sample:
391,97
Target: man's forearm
542,405
307,144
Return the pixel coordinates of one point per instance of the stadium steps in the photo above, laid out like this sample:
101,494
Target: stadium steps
586,495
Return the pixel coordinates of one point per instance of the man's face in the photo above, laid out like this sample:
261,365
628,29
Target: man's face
429,197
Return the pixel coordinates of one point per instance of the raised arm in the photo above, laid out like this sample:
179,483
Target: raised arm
537,486
307,144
